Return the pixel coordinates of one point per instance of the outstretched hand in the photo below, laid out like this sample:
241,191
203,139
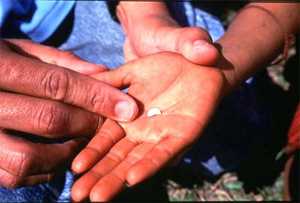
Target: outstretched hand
127,153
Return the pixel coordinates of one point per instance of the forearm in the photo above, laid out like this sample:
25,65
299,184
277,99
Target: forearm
133,13
254,39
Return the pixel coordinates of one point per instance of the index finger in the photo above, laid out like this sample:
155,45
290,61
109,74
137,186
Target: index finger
110,133
33,77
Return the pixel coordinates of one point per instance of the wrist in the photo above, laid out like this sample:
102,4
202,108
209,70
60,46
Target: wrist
149,15
244,53
227,68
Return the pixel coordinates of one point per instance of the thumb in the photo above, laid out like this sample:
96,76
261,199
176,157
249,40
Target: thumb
119,78
129,52
193,43
200,52
54,56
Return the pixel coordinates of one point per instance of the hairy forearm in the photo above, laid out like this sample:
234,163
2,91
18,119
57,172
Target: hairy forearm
254,39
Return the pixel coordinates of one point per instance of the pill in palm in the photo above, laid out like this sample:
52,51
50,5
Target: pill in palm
153,112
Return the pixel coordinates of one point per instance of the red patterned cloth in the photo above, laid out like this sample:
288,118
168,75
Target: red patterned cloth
294,133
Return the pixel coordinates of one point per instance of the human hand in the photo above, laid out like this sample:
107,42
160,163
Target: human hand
157,32
42,99
128,153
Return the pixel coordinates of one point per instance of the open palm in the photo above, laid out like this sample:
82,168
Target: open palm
128,153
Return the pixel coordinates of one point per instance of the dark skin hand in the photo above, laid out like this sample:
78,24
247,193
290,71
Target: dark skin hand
40,96
127,153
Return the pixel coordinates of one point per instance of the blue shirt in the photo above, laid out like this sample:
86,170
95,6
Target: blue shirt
37,19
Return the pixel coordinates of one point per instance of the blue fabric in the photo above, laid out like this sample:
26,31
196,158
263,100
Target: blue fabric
58,190
35,19
95,37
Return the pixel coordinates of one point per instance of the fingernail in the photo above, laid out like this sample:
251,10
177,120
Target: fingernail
76,167
201,45
124,110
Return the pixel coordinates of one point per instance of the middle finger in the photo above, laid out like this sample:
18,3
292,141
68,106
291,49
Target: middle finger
82,187
44,117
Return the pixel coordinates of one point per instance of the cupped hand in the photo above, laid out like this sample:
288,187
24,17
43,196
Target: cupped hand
127,153
154,34
41,98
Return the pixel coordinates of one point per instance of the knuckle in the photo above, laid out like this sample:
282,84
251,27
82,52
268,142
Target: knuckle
21,163
115,156
52,119
14,182
199,31
97,98
8,68
55,84
68,54
194,31
7,180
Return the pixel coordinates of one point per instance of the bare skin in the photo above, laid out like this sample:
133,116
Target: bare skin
40,97
111,163
139,147
27,100
162,34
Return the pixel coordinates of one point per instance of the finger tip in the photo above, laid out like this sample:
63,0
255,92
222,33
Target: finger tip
77,166
78,194
133,176
75,196
202,52
98,196
126,110
131,179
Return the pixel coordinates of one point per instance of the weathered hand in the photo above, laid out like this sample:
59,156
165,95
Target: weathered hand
39,98
128,153
54,56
